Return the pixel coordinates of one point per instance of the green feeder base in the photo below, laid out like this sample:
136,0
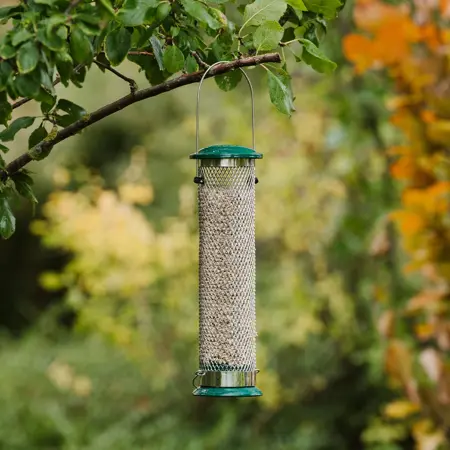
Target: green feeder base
249,391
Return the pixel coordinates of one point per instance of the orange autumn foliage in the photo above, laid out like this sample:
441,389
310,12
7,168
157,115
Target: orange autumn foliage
409,44
410,223
407,168
429,202
386,25
444,8
358,49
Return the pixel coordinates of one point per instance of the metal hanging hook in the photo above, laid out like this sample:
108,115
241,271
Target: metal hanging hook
198,375
197,128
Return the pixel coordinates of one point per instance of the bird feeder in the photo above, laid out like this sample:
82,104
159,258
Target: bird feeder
226,180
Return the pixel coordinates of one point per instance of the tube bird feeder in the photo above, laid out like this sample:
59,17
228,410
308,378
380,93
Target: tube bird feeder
226,180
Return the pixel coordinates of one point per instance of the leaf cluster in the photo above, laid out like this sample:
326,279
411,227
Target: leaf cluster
52,41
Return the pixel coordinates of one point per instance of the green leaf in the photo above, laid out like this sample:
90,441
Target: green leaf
189,41
46,64
12,91
98,40
71,108
47,101
20,36
45,2
173,59
53,39
74,113
27,57
23,183
10,11
87,18
280,91
228,81
38,135
134,12
4,149
77,77
297,4
141,36
5,109
314,57
21,123
199,12
5,74
87,28
220,52
46,81
7,51
262,11
143,61
157,51
191,64
267,36
322,25
7,219
328,8
80,46
152,72
220,17
118,43
311,35
64,64
24,175
105,8
162,11
27,85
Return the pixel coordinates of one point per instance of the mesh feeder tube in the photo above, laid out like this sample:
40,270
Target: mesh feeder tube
227,332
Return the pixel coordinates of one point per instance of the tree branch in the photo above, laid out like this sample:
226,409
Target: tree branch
44,148
130,81
27,99
199,60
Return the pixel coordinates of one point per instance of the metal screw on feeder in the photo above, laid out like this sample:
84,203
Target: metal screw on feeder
226,180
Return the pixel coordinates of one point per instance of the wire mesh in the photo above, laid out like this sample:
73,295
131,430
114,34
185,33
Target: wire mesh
227,269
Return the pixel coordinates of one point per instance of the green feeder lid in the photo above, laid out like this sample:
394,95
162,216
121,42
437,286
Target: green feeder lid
226,151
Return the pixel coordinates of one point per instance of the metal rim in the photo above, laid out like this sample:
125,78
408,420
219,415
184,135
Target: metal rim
225,379
227,162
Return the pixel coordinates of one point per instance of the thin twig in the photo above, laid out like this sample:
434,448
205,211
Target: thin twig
44,147
72,5
144,53
27,99
199,60
130,81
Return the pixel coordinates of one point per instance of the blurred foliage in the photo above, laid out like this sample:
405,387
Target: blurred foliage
417,329
127,228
